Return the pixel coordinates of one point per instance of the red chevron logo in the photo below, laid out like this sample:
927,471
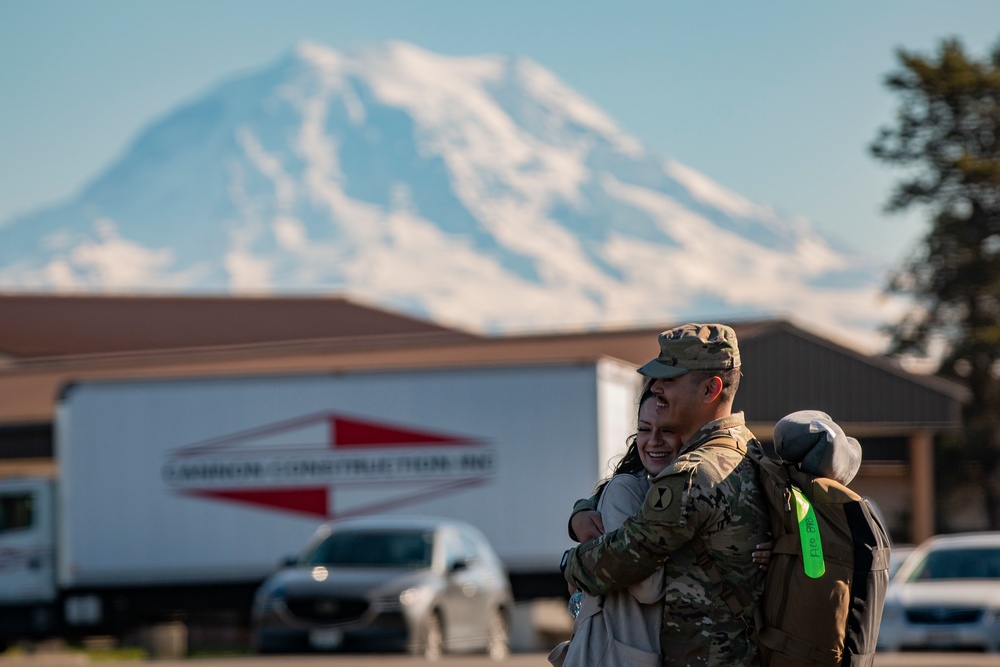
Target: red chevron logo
300,465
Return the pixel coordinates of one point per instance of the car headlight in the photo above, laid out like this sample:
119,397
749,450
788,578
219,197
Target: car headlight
266,601
411,596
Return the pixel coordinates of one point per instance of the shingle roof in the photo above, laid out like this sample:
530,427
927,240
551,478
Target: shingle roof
37,325
786,368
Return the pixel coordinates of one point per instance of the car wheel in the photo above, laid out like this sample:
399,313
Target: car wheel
431,644
498,640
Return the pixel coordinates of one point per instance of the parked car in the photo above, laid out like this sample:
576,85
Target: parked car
418,584
898,556
946,596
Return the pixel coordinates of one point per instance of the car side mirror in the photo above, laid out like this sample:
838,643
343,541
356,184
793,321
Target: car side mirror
289,561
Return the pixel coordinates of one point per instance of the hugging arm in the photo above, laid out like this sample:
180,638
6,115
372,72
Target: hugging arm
585,522
645,541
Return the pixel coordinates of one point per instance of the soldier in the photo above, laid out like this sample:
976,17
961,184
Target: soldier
706,505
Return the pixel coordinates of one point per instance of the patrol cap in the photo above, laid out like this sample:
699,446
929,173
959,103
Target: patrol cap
694,347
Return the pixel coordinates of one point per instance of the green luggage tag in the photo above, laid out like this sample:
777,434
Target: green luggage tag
812,547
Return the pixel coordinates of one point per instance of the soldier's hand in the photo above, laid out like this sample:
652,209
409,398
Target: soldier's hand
587,525
762,556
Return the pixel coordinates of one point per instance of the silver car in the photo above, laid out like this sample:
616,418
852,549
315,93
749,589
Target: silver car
418,584
946,596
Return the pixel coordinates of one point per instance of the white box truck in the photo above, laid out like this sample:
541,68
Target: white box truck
175,498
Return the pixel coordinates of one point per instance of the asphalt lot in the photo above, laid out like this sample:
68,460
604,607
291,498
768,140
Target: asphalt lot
516,660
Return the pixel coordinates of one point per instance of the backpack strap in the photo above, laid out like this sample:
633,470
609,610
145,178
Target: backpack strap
725,442
736,600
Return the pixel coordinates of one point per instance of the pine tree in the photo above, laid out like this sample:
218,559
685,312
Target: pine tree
947,136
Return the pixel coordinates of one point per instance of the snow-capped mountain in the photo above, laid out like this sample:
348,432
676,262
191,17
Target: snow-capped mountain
477,191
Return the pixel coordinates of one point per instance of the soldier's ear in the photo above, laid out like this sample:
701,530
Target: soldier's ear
712,388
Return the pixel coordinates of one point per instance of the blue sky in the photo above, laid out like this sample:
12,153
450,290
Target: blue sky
776,101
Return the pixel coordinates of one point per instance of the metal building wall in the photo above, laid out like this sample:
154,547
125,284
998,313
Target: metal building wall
786,369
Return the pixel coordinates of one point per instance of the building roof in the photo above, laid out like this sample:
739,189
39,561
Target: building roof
785,367
45,325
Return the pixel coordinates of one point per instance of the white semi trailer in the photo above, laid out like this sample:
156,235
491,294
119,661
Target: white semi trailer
174,498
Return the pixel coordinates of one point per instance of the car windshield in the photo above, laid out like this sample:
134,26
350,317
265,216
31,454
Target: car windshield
409,549
982,563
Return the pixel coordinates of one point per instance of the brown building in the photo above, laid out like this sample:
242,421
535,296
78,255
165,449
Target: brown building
47,341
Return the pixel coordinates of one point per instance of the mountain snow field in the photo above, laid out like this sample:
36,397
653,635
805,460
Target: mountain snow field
480,192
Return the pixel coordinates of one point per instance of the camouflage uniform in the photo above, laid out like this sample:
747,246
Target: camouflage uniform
708,492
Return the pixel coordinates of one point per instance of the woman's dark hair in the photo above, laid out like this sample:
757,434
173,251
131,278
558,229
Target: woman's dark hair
630,462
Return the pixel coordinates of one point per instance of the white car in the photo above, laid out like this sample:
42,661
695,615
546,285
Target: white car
897,557
946,596
421,584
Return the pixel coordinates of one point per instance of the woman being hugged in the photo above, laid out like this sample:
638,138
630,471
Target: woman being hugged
622,627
